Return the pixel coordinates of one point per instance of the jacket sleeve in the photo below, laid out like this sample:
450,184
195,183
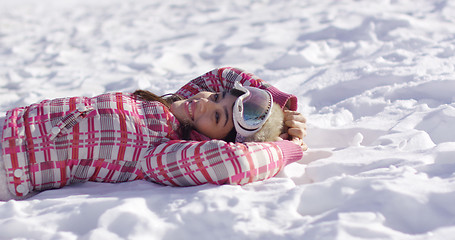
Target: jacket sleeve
187,163
222,79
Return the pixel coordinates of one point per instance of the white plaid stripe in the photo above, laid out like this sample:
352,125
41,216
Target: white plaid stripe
185,163
101,143
219,80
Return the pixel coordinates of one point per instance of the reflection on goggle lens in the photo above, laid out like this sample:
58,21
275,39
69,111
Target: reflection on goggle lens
252,109
253,113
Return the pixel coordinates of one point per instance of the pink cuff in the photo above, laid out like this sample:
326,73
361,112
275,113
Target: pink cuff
282,98
291,151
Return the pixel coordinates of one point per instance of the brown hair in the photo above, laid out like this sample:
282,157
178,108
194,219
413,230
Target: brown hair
167,100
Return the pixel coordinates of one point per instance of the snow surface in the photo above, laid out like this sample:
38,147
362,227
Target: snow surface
375,79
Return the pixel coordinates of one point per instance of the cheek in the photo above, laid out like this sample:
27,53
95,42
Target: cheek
208,129
176,110
203,124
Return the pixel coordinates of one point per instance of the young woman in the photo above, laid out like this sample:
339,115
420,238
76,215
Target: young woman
224,127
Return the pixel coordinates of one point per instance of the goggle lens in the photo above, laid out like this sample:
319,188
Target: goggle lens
252,109
255,107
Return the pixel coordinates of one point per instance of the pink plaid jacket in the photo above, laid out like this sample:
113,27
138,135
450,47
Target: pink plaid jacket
115,137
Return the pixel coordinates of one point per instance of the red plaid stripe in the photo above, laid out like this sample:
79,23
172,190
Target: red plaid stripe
185,163
219,80
65,143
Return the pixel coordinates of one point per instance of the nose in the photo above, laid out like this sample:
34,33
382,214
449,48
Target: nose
205,105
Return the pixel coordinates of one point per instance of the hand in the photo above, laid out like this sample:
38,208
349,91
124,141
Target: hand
294,128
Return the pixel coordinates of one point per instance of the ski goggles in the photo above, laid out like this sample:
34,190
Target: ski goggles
251,109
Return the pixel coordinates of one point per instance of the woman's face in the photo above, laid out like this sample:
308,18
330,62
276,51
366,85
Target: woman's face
207,112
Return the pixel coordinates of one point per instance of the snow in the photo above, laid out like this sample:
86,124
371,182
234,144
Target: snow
374,78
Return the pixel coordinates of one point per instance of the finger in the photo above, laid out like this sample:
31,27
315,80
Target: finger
301,143
297,132
290,114
284,136
293,123
296,116
304,146
297,125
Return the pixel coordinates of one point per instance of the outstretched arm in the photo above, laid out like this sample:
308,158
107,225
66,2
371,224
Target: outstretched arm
186,163
222,79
